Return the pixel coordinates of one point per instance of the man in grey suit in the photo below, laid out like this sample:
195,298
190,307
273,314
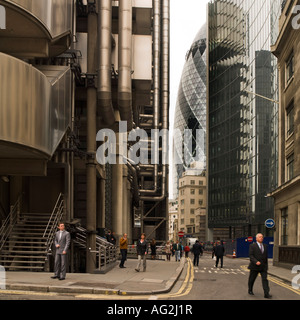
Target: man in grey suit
258,253
62,244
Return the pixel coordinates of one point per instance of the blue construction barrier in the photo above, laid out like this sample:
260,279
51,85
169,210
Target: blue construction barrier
242,247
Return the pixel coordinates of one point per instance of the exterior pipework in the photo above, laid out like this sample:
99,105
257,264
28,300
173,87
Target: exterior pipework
165,97
124,61
104,99
156,89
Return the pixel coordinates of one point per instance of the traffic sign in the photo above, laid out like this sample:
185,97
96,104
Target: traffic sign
250,239
270,223
180,234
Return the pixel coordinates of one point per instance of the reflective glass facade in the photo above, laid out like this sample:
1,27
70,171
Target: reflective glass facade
242,126
190,112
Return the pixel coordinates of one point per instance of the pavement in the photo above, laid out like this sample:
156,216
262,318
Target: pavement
160,277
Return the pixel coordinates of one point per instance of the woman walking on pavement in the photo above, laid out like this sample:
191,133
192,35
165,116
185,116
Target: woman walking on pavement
142,248
153,249
168,250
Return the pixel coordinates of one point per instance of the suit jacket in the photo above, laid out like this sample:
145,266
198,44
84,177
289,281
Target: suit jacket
141,247
219,250
197,249
256,255
64,242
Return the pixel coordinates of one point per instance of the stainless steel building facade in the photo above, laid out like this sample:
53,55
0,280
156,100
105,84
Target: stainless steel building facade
69,68
242,114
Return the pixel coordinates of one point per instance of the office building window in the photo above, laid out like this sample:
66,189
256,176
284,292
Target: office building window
289,69
192,201
192,181
192,191
290,167
284,226
290,119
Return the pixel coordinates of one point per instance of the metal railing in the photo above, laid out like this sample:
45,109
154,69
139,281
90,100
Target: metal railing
54,219
160,251
105,251
10,221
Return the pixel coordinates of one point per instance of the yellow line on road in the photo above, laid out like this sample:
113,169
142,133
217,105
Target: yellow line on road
277,281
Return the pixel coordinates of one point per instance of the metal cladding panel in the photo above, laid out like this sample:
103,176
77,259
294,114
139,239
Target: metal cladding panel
31,113
56,15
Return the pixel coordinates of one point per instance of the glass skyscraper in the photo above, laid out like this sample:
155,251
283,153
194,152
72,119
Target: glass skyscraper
242,114
190,111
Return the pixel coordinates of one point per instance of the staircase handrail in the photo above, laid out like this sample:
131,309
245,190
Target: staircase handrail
10,221
107,252
54,219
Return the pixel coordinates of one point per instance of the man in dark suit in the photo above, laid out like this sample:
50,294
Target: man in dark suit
62,243
219,252
258,254
197,250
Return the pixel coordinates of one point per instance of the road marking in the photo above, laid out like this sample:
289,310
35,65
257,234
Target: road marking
278,282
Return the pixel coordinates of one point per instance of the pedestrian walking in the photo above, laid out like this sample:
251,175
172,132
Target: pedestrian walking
123,250
153,249
258,253
62,243
177,250
168,249
186,251
108,236
197,250
219,253
142,248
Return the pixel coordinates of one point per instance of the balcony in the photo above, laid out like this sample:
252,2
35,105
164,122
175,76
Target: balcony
34,28
35,111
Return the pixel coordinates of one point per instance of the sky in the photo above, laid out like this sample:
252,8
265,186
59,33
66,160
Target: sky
186,19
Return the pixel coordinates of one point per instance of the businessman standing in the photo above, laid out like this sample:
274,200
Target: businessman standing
62,244
258,254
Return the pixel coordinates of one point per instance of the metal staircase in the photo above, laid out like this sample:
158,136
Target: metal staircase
27,237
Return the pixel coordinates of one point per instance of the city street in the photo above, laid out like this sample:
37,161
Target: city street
231,283
205,282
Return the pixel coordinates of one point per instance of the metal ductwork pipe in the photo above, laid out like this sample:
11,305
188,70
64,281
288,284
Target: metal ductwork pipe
165,94
104,99
124,61
156,89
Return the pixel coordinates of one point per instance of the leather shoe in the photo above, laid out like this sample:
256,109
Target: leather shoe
61,278
268,296
54,277
251,293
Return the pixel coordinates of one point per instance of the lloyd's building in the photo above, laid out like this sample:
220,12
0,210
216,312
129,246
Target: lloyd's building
69,68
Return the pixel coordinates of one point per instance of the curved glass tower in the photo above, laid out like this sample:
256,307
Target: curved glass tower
190,113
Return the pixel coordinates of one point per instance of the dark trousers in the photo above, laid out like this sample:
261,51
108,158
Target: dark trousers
196,259
264,280
218,258
123,257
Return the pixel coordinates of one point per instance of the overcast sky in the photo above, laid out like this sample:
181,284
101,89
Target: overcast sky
186,19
